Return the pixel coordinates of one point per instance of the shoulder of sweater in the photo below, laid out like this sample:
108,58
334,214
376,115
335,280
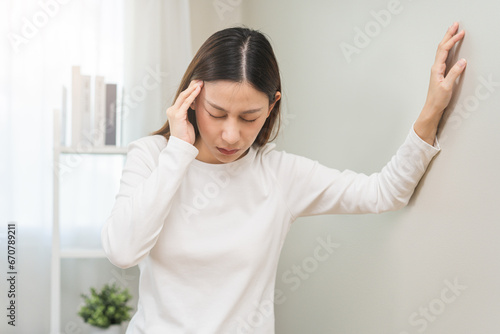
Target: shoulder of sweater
269,153
153,143
145,151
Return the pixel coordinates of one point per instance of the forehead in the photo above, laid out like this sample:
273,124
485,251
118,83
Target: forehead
229,93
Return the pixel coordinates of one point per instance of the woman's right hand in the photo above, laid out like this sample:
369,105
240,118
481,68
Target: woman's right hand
177,114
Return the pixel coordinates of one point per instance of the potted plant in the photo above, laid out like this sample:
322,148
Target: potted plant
106,308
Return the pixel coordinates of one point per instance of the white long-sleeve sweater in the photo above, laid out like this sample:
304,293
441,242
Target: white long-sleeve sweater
207,237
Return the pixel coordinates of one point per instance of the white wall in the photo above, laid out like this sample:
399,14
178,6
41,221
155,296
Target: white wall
390,268
208,17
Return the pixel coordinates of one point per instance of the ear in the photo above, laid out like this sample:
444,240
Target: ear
193,104
277,96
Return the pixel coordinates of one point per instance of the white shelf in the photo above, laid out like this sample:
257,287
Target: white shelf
92,150
59,253
81,253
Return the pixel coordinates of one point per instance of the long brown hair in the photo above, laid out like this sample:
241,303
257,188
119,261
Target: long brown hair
240,55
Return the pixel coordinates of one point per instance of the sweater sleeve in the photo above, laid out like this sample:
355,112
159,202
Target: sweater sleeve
150,179
310,188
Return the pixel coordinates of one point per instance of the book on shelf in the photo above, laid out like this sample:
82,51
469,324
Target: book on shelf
110,114
120,96
76,97
64,117
99,111
86,125
80,108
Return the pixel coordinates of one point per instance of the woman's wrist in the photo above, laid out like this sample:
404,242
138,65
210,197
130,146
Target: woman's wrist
427,123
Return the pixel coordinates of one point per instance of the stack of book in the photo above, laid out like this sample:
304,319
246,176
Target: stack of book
93,115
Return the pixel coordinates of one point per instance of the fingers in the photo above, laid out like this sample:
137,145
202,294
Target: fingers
454,73
187,96
448,41
194,93
179,109
450,32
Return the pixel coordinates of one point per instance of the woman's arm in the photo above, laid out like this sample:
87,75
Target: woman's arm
309,188
150,179
440,87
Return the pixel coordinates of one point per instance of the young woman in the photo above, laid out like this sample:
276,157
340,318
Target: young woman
205,202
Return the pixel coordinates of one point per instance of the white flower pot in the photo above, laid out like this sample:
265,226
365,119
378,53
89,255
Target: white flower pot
114,329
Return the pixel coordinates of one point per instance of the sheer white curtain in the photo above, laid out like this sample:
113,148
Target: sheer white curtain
157,53
123,40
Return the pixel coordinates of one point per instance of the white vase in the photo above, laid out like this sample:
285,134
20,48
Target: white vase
114,329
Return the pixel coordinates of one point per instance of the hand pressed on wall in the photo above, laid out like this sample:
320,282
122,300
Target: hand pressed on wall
440,86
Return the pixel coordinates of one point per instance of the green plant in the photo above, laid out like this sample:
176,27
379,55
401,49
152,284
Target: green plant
106,307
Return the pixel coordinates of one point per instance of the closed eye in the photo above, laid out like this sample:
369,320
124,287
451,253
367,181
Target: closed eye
219,117
216,116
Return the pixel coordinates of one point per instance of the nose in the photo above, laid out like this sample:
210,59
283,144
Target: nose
231,132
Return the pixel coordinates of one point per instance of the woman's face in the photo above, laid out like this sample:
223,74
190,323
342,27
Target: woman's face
230,115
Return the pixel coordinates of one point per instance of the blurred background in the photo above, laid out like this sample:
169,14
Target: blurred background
355,76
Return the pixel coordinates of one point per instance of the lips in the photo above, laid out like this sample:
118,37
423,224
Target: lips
226,151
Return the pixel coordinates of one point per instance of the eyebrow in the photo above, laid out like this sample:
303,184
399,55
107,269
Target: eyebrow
250,111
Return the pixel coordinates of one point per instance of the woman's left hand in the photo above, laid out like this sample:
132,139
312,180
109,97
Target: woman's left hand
440,86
